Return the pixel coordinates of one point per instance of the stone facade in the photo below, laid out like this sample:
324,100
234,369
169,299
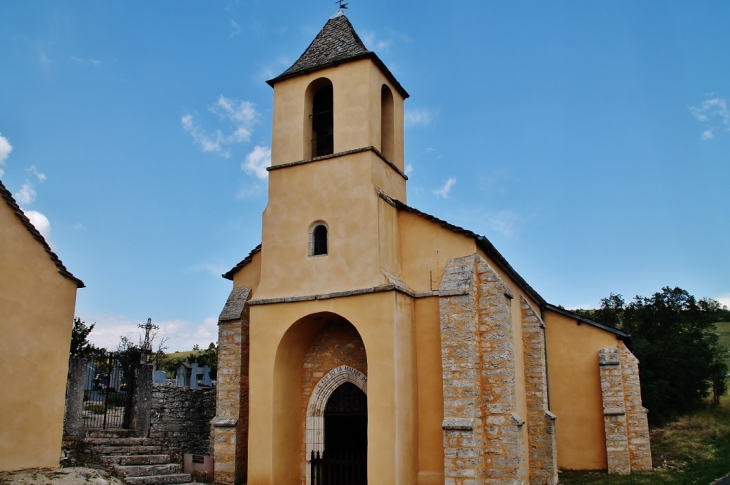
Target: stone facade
180,419
484,440
230,425
542,450
625,420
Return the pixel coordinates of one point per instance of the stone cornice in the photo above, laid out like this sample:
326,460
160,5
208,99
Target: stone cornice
341,154
341,294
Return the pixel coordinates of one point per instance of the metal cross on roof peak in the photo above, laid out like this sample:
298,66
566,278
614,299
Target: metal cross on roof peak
341,4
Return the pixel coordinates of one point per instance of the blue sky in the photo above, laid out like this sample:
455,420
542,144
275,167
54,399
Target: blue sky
589,141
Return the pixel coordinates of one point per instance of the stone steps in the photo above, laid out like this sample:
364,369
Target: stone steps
137,461
124,460
176,479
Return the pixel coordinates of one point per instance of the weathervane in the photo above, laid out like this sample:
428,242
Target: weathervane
342,5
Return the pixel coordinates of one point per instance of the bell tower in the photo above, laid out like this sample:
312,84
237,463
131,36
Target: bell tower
337,143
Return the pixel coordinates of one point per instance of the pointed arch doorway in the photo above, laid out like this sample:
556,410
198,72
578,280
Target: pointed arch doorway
337,429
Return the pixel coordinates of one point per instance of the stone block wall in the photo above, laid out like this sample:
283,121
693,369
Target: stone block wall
542,447
625,420
230,426
483,434
180,419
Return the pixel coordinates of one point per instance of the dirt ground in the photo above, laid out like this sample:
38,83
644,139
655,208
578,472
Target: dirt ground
58,476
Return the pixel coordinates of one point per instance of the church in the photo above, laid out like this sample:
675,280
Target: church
365,338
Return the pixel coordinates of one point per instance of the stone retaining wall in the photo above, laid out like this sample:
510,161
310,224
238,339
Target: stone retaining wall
180,419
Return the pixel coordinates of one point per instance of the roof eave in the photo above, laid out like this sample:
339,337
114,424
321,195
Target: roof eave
8,197
366,55
625,337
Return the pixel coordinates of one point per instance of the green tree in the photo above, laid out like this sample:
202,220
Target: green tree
675,340
80,346
207,357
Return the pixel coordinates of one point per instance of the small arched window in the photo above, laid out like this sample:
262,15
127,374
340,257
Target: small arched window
318,240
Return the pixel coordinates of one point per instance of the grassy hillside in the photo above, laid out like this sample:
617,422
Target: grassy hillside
693,450
723,328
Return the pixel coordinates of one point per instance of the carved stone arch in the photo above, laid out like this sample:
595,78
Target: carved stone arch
314,435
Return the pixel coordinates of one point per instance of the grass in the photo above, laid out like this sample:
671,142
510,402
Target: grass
723,328
692,450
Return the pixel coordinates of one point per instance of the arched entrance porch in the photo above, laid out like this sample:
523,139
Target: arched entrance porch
322,359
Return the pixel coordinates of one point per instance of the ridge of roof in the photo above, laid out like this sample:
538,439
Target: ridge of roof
335,44
8,198
229,274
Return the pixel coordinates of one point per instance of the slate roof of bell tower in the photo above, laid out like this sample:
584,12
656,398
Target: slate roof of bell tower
337,43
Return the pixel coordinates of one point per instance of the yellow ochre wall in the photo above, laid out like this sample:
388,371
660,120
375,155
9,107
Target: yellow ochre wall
356,112
340,192
575,390
280,335
36,316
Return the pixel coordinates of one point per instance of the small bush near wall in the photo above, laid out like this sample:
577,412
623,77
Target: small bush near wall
180,419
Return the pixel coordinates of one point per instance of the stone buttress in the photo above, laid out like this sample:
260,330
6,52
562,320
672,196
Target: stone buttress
483,434
229,428
542,448
625,419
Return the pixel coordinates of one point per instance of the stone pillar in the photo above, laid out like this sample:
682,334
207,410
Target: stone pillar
636,415
141,400
73,418
614,412
463,424
483,438
229,428
542,448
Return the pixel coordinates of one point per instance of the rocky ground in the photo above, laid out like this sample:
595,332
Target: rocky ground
58,476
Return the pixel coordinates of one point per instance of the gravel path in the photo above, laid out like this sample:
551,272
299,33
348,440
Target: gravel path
59,476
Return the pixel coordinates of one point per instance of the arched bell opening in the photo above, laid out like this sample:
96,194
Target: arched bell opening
320,110
387,123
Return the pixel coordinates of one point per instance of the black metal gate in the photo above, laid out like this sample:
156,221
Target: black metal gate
107,392
344,459
339,468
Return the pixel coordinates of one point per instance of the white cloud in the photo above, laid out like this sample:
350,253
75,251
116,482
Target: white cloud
419,117
409,169
41,223
257,161
5,149
712,112
235,29
26,194
446,188
34,171
724,299
87,61
214,268
78,225
183,335
375,45
249,191
504,222
240,116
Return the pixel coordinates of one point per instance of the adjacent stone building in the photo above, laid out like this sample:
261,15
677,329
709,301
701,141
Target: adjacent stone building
361,325
37,302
